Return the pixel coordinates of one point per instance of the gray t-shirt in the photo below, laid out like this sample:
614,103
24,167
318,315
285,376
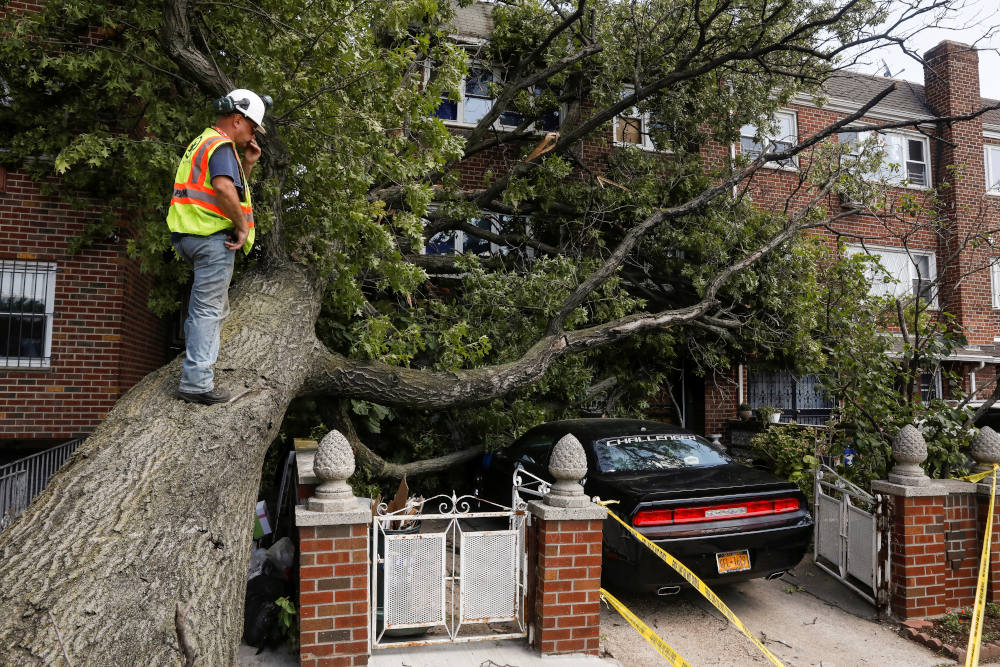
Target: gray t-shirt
223,163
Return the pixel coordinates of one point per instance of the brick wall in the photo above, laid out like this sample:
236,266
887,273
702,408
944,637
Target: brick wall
333,595
567,586
935,546
103,337
961,544
917,551
721,401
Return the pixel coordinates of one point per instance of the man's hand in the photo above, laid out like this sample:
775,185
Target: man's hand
250,155
238,238
229,201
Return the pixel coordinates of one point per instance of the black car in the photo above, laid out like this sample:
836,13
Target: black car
725,521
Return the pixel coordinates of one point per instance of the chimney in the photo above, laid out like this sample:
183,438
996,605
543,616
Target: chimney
951,87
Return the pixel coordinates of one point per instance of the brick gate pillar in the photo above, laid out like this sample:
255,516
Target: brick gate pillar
568,530
333,563
935,535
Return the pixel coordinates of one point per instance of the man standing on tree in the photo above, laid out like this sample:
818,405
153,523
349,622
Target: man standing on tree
210,218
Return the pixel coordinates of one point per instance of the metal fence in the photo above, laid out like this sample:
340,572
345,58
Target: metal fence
22,480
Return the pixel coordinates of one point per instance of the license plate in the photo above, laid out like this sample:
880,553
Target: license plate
733,561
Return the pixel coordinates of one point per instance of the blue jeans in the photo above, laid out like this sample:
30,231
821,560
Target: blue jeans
209,305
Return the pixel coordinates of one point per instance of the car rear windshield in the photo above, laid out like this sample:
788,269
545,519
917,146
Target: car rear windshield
656,451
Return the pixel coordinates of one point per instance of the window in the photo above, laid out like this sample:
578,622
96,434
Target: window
992,169
632,128
930,386
533,449
27,295
906,159
475,102
801,398
459,241
648,452
995,281
785,134
903,273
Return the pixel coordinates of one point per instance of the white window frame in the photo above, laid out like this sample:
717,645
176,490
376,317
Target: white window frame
42,279
459,121
644,118
995,282
899,142
992,179
770,140
879,288
459,237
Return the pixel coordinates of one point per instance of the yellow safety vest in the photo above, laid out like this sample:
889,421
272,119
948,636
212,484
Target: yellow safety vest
193,207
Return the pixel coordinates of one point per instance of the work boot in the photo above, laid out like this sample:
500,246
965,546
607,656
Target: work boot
217,395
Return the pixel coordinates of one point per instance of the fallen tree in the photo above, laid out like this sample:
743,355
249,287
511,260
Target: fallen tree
137,553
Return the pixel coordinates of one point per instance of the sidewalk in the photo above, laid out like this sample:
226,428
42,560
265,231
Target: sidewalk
475,654
480,654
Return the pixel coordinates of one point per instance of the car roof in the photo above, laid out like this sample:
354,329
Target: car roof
595,429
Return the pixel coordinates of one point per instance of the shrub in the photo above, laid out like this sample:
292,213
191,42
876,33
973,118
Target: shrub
789,452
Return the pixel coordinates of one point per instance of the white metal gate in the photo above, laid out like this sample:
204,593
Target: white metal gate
852,536
442,577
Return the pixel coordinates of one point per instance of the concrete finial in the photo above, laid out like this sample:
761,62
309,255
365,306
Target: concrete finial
568,463
986,449
333,464
909,449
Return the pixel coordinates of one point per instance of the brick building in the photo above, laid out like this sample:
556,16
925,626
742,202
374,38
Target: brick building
958,162
915,252
75,331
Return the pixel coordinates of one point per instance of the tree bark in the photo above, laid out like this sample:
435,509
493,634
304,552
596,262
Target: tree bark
154,512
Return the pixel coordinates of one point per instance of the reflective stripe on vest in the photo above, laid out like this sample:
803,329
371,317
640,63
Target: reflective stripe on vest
193,206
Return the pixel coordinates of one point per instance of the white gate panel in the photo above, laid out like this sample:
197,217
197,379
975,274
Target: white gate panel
849,538
489,576
443,580
414,593
828,542
861,545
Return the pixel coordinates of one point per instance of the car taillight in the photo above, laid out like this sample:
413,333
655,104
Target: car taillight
653,518
718,512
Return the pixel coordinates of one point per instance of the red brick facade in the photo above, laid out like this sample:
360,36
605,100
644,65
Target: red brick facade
935,545
104,339
917,550
568,582
333,595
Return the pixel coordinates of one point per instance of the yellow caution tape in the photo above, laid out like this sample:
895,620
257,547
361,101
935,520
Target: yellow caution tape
698,584
662,647
978,611
977,476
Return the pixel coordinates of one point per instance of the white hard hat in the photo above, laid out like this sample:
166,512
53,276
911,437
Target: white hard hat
250,105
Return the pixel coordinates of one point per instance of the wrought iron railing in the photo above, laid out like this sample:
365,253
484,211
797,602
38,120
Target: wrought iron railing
22,480
799,398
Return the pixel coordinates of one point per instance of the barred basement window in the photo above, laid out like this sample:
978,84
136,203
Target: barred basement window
27,297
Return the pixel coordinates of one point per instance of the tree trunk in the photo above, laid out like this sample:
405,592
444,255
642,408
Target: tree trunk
156,508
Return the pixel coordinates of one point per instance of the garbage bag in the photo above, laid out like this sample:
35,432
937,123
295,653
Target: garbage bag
260,614
257,559
282,555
